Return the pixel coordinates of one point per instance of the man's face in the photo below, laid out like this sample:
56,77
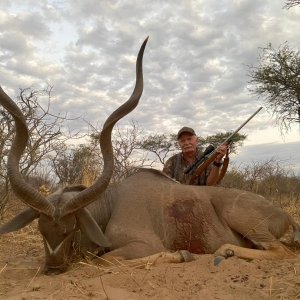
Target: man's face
187,142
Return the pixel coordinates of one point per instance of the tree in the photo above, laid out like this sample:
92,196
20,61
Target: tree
218,138
291,3
45,137
160,145
83,164
127,153
77,164
277,79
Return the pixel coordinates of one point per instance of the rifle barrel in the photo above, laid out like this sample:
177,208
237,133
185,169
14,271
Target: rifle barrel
236,131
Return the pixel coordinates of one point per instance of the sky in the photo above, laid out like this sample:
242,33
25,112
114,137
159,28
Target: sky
195,64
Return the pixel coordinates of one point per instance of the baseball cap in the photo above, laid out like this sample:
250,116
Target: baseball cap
185,129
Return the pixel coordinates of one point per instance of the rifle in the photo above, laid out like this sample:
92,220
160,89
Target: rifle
210,155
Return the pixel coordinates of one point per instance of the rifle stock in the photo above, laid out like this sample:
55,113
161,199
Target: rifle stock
210,158
202,167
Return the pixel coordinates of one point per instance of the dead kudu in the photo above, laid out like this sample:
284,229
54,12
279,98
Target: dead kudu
147,217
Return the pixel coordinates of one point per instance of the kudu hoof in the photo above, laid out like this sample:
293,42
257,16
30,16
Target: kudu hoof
186,256
218,259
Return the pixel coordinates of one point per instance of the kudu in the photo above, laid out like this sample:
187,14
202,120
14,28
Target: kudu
148,216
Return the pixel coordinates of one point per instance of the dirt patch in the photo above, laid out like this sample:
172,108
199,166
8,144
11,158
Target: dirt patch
21,277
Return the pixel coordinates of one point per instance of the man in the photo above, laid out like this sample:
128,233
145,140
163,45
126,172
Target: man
175,165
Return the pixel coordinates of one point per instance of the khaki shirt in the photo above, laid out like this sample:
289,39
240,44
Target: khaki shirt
175,166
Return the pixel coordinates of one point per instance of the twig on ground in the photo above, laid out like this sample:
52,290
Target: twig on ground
3,268
32,278
78,287
103,288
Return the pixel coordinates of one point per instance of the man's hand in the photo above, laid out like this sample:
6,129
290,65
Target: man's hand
221,150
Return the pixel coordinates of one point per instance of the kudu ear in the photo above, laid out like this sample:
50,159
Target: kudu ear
88,225
20,221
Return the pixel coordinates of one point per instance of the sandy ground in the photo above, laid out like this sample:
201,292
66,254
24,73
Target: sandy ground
21,277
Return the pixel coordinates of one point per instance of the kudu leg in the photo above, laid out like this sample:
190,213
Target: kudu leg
274,250
140,254
144,262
